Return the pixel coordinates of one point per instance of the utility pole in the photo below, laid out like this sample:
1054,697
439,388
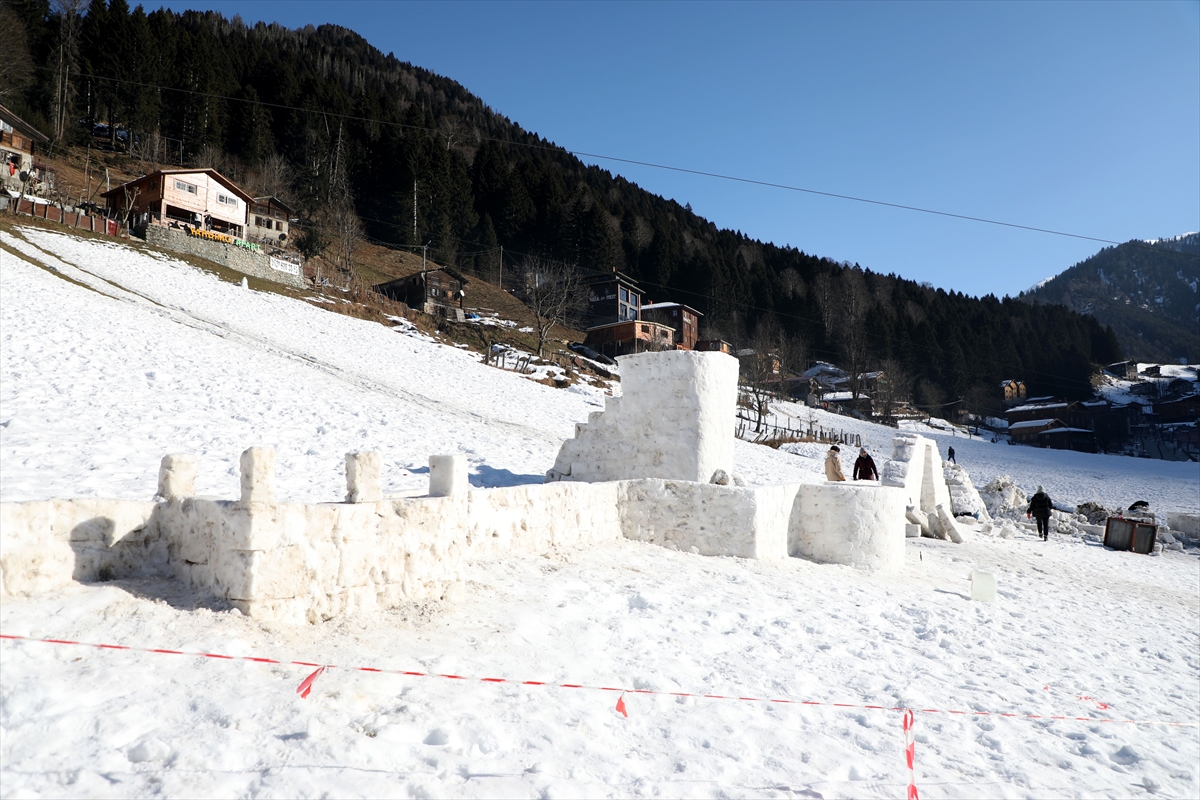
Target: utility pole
414,209
424,248
502,268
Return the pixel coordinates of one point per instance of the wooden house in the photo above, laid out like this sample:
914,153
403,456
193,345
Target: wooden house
195,198
628,337
267,220
1125,370
684,320
1184,409
439,292
1026,431
1013,391
1062,437
714,346
1047,409
612,297
17,139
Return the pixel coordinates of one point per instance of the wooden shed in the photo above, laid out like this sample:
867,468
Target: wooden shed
439,292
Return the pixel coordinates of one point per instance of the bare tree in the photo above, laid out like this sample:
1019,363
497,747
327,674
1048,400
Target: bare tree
554,292
274,177
347,235
854,307
70,14
895,387
760,368
827,300
16,68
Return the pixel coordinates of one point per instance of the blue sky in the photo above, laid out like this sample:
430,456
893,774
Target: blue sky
1078,117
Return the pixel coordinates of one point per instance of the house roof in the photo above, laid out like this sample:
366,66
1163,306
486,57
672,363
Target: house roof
1063,430
1036,407
453,273
1032,423
273,199
21,125
656,306
212,173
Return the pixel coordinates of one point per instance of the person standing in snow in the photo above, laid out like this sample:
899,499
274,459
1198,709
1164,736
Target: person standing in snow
833,464
950,455
864,467
1040,507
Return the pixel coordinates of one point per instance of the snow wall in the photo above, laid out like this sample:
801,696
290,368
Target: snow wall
916,468
297,562
674,420
860,524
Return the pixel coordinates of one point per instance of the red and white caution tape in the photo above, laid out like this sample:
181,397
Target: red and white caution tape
622,691
910,753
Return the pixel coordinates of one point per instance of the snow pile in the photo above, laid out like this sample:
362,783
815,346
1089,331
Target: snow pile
964,499
1004,498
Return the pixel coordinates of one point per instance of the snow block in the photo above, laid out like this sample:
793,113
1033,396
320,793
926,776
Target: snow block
364,477
912,530
860,524
947,526
1184,522
48,544
707,518
673,421
916,468
983,586
177,476
258,475
447,475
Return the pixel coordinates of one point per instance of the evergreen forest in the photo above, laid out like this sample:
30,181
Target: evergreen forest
355,138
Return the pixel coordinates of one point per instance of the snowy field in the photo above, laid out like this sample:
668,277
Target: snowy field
111,357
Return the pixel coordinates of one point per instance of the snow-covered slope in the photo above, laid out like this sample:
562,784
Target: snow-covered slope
96,384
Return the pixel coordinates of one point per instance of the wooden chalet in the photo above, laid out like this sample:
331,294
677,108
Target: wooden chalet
714,346
194,198
684,320
1013,391
1062,437
17,141
629,337
1184,409
1039,410
1026,431
1125,370
439,292
612,297
268,219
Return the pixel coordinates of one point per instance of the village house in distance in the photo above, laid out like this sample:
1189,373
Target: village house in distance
17,140
203,213
620,324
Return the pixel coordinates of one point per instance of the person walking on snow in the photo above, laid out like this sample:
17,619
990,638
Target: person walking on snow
1040,507
833,464
950,454
864,467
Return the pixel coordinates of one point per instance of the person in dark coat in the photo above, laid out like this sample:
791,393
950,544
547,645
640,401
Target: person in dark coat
1040,507
864,467
950,454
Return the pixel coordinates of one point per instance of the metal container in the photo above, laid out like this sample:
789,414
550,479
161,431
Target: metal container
1130,534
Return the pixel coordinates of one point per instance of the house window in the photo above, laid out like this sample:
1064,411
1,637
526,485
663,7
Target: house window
624,295
227,200
190,188
278,226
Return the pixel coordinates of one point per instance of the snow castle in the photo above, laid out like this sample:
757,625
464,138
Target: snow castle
641,470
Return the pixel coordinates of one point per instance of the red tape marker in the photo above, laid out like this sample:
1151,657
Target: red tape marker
307,684
910,753
621,705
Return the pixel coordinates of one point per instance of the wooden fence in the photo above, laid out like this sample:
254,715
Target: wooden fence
54,213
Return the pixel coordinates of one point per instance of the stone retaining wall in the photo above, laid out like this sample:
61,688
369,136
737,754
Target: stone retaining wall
256,265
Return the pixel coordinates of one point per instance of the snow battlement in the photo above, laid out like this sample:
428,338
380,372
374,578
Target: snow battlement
674,420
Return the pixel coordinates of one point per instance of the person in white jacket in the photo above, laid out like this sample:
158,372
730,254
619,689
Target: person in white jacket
833,464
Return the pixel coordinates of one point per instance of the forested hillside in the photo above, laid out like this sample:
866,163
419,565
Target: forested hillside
1146,291
353,136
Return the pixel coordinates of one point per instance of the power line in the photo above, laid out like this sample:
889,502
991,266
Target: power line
636,162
